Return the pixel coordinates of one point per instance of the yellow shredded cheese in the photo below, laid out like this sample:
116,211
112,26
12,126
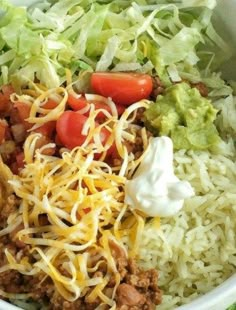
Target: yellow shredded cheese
81,197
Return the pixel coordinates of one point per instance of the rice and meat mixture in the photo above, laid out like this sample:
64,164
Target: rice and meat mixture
138,288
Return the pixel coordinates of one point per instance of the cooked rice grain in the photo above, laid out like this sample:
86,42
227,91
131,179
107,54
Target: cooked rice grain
196,250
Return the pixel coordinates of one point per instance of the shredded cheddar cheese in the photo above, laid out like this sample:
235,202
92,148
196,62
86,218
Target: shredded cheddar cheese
82,198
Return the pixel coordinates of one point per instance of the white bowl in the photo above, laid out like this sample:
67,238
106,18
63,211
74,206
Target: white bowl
225,294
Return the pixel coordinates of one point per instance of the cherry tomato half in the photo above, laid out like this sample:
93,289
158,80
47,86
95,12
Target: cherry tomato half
101,105
123,88
81,102
69,128
77,103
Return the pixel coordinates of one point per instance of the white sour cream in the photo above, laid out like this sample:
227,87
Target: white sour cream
154,188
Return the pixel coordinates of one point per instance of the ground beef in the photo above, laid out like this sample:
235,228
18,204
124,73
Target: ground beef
141,285
11,281
8,207
134,147
59,303
138,288
203,90
128,295
41,287
158,88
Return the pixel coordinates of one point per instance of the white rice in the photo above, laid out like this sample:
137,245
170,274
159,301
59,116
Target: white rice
196,250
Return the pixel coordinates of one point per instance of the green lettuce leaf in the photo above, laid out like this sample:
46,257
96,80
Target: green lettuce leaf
172,39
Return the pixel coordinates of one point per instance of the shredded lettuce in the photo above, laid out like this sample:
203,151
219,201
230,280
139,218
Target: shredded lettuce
173,39
225,122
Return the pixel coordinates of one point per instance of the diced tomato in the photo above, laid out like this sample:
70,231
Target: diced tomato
14,168
8,134
23,110
69,129
104,106
123,88
77,103
20,160
3,130
100,105
50,104
47,129
120,109
5,103
86,210
7,90
81,102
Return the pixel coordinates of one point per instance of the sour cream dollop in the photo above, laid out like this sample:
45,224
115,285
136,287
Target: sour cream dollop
155,189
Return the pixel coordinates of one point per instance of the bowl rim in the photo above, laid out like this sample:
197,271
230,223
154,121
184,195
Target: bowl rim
225,294
222,296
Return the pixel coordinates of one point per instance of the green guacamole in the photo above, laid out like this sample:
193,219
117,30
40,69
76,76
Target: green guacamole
185,116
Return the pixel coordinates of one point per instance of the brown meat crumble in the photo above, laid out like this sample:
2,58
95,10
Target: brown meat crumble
138,288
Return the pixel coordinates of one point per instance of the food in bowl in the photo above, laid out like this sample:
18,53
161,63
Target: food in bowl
117,155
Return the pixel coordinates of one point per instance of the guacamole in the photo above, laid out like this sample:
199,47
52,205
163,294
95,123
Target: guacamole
185,116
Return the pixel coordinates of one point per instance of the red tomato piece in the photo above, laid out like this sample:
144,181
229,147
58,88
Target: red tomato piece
20,160
81,102
5,103
3,129
23,110
47,129
69,128
77,103
104,106
123,88
7,90
8,134
14,168
120,109
50,104
87,210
